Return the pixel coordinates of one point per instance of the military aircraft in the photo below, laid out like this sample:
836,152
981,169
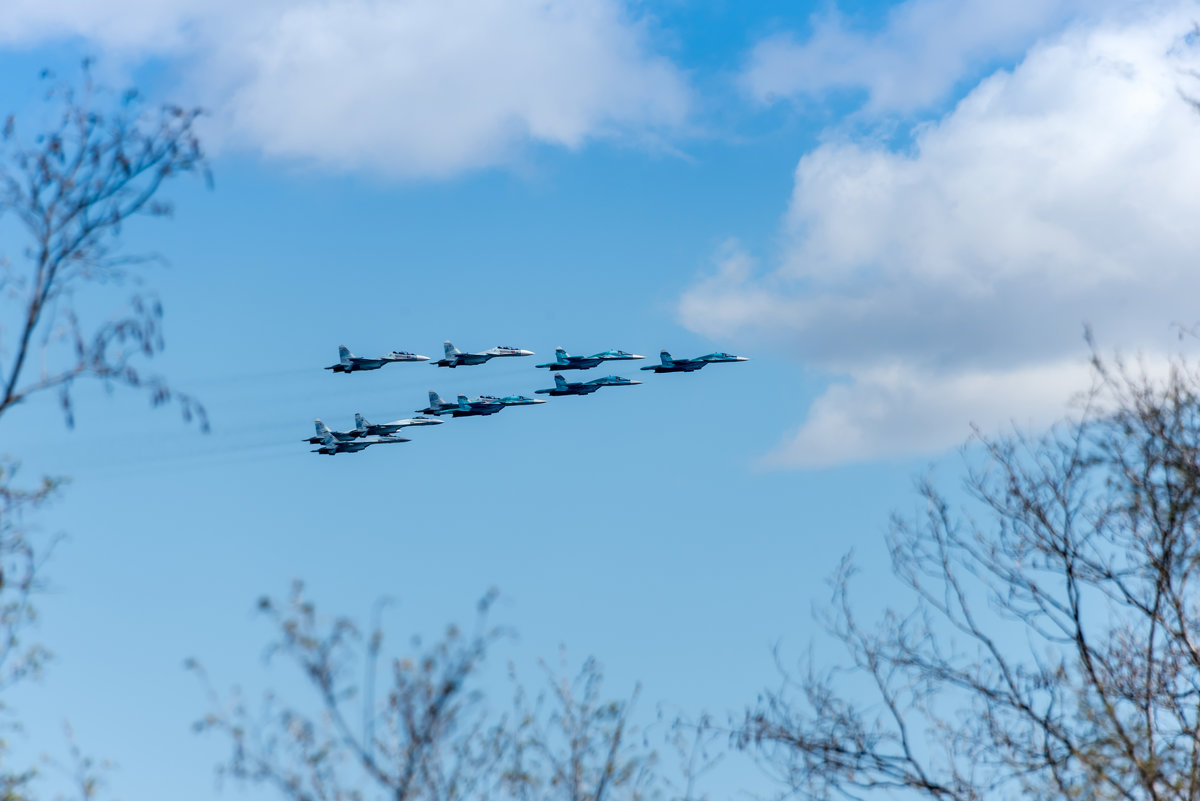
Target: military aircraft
474,407
349,363
323,433
331,445
455,357
564,362
438,406
563,387
364,428
670,365
507,400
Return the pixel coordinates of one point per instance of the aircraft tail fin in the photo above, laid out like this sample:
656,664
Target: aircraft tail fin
559,381
560,355
666,359
322,429
344,354
463,401
435,400
450,349
359,421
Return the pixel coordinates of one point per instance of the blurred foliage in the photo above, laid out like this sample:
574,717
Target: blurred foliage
65,194
433,734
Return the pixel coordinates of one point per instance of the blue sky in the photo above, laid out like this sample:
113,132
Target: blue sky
903,213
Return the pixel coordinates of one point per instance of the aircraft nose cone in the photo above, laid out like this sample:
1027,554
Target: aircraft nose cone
538,400
525,352
635,356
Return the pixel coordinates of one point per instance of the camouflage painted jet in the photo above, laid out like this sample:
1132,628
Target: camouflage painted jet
349,363
563,387
364,428
564,362
474,407
455,357
670,365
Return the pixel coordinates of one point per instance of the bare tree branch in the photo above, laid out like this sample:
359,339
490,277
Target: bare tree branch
1050,644
72,187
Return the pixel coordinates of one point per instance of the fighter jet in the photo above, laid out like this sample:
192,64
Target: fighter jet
438,406
349,363
455,357
331,445
323,433
564,362
670,365
364,428
563,387
474,407
507,400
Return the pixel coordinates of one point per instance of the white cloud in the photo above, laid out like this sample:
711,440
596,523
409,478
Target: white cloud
924,49
950,283
899,411
431,87
123,26
411,88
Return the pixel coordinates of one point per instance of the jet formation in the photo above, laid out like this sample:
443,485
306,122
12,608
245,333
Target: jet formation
364,434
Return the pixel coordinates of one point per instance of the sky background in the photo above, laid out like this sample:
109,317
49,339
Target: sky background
903,213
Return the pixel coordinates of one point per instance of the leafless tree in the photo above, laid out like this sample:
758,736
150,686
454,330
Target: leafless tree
1049,644
575,745
430,737
699,746
65,194
70,189
434,735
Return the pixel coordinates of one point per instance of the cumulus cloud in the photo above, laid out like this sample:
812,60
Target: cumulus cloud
919,55
412,88
119,26
436,86
950,282
898,411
